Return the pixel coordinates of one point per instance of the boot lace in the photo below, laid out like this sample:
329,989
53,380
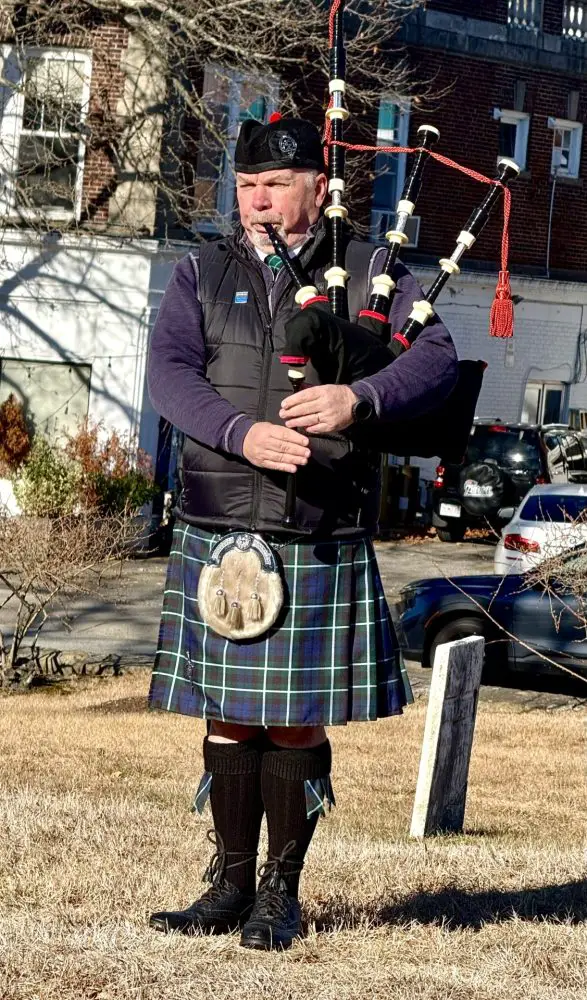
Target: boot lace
218,865
273,895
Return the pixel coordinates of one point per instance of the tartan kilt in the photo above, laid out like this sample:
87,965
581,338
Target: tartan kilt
332,656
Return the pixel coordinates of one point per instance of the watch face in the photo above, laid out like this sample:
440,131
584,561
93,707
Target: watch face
362,410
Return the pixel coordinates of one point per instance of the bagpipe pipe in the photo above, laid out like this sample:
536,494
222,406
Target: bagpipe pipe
344,352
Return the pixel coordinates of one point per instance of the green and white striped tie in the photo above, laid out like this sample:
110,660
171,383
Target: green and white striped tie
274,261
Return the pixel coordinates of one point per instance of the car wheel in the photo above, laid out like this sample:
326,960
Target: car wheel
452,534
458,628
461,628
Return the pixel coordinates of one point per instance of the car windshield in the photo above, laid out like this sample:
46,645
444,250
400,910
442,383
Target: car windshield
554,507
515,449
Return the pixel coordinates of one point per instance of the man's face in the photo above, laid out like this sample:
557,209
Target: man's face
289,199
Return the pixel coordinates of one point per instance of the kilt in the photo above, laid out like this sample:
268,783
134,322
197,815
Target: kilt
332,656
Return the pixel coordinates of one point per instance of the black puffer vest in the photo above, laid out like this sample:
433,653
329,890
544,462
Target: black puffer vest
338,490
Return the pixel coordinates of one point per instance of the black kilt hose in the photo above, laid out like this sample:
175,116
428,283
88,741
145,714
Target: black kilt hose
331,658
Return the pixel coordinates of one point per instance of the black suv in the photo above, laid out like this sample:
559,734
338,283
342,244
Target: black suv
502,462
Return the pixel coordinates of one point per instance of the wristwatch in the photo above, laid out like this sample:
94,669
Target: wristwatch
362,411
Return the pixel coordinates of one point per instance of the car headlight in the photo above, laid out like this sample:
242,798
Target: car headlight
407,599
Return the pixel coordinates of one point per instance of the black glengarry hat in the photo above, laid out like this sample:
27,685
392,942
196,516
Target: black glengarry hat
282,143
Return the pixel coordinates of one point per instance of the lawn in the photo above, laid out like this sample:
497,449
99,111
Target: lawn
95,831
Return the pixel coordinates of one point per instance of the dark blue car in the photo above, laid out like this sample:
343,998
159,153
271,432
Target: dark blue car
430,612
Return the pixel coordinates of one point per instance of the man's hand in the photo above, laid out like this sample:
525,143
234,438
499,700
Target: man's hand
273,447
322,409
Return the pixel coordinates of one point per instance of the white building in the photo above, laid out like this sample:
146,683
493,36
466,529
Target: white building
75,314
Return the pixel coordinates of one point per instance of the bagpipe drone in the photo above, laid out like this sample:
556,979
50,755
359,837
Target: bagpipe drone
344,352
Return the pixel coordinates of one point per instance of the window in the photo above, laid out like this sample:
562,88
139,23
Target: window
565,455
555,507
513,135
578,419
390,172
575,20
566,147
43,105
543,403
55,395
509,447
525,14
230,98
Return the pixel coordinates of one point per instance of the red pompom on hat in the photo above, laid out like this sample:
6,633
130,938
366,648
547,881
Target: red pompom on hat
275,117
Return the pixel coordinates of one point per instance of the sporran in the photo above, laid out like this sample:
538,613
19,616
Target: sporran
240,593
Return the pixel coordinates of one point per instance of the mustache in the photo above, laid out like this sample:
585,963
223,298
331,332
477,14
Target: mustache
256,220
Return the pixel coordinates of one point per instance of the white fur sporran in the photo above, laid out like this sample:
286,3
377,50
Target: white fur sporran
240,592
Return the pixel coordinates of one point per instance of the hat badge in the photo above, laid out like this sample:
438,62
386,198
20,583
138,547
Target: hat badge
287,145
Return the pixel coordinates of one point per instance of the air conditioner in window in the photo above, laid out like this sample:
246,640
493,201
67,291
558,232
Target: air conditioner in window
382,222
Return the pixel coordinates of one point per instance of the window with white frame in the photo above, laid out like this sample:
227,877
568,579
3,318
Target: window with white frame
513,135
543,402
43,105
230,98
390,171
567,137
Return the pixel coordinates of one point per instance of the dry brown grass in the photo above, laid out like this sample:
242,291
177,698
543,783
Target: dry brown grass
96,832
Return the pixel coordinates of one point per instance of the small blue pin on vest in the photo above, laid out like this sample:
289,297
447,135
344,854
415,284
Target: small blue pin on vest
241,297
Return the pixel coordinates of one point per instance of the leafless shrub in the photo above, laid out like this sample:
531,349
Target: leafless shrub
44,563
562,577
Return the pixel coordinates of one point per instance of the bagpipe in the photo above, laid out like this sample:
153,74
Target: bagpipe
344,352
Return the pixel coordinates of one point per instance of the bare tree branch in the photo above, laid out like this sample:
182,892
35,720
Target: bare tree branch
153,126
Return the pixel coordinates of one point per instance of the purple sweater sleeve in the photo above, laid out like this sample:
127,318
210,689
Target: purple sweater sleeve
176,370
421,378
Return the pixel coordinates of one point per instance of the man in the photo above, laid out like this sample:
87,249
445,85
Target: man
331,657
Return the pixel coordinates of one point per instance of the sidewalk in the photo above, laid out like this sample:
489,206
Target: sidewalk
123,621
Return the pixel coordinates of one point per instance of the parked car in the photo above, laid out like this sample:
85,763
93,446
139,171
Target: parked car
549,520
431,612
503,461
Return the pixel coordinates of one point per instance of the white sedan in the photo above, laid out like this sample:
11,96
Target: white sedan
549,520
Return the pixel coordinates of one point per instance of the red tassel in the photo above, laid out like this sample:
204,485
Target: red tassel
501,320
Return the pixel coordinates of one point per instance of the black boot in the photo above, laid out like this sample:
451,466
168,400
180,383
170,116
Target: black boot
276,918
221,909
237,808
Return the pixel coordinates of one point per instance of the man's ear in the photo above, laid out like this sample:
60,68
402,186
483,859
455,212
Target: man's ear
321,189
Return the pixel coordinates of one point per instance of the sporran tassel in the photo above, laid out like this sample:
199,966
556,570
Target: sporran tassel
255,611
235,616
220,606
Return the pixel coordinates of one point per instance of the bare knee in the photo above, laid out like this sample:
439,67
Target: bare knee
230,732
302,737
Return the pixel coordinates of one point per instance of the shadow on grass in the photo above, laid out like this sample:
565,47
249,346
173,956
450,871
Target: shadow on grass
459,909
